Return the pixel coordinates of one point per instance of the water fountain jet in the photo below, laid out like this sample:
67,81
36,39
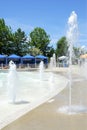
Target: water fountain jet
72,37
52,66
41,70
12,82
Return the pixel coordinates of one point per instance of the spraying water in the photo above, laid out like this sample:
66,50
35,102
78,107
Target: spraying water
41,69
83,69
12,83
51,68
54,60
72,34
72,37
52,65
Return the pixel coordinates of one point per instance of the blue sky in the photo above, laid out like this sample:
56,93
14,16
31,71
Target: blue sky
51,15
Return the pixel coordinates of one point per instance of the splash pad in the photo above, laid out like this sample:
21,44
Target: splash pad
33,89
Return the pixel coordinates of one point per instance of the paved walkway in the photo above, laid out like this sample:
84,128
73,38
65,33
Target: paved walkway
48,117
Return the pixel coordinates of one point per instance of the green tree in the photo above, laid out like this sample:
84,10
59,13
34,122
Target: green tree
62,47
39,39
50,51
34,51
20,46
5,37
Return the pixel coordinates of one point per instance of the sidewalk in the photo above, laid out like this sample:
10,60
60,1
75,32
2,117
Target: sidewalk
47,117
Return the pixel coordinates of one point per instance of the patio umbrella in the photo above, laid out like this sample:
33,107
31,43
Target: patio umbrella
2,56
63,57
41,57
14,58
83,56
3,59
28,57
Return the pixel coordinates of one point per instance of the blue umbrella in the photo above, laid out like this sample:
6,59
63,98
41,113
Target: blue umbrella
3,59
28,57
13,56
2,56
41,57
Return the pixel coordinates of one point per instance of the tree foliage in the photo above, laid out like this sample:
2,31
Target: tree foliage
5,37
39,39
62,47
12,42
34,51
20,46
16,42
38,42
